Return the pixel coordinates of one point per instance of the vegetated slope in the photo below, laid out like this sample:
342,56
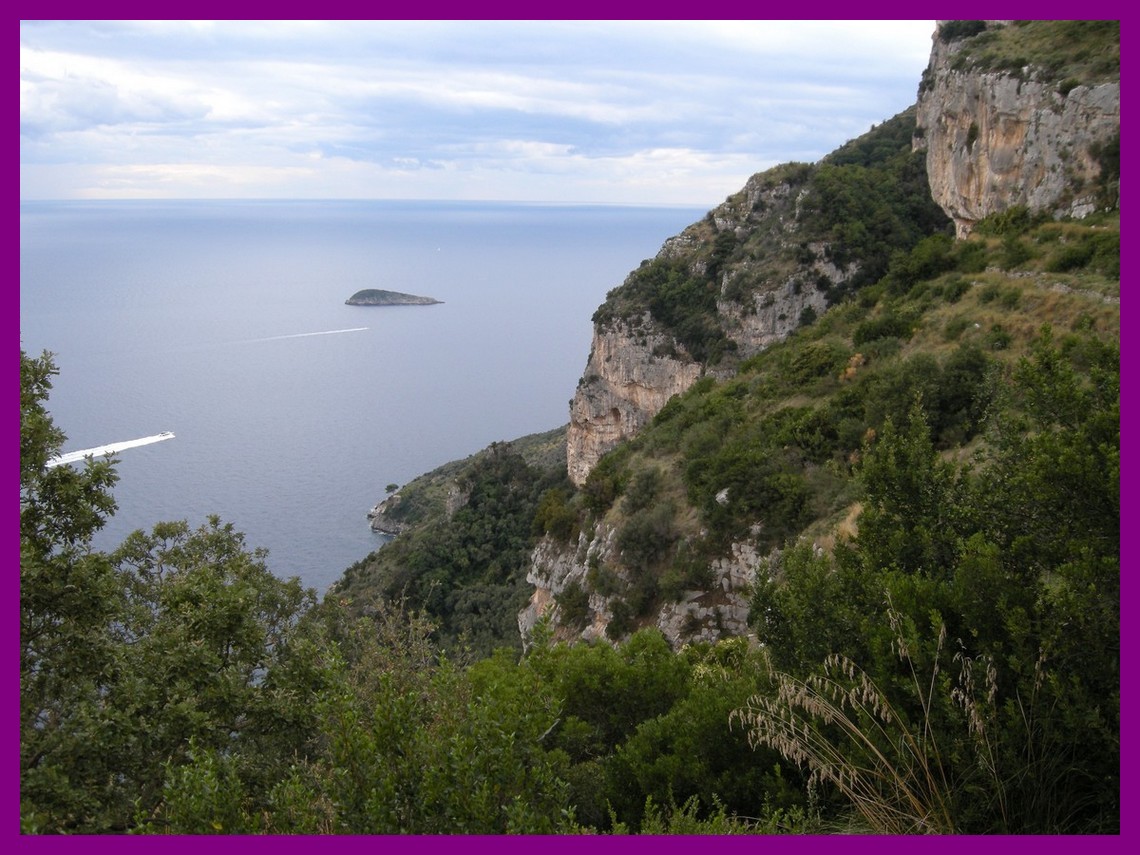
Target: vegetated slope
928,475
788,229
469,530
1072,53
826,228
797,239
763,452
773,453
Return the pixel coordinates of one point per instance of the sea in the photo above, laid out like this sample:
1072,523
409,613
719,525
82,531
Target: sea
224,323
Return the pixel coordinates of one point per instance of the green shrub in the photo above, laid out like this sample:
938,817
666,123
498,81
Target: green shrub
1073,256
954,328
954,30
817,359
1014,252
642,490
971,257
647,536
554,516
887,325
574,604
1015,220
998,338
621,619
954,288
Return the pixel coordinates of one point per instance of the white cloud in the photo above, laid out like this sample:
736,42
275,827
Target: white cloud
522,110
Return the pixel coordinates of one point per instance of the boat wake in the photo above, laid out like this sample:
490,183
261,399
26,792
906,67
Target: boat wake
307,334
111,448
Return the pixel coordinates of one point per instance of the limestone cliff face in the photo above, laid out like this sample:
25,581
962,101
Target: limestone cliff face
700,615
771,316
553,567
994,140
635,366
628,379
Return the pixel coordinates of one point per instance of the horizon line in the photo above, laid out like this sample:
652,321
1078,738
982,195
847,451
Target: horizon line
402,199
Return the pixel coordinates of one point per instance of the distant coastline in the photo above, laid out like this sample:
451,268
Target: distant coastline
379,297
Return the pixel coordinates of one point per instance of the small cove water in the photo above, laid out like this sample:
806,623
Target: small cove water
225,323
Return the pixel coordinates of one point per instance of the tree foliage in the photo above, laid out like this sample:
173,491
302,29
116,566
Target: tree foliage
181,644
998,649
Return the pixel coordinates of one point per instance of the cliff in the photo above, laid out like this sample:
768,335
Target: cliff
628,379
992,131
769,259
756,357
1001,130
1009,114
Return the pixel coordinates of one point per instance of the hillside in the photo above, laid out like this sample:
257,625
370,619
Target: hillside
734,379
864,417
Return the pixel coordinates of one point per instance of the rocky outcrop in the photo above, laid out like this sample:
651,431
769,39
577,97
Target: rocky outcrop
384,516
553,567
721,611
770,316
708,615
635,366
994,140
631,374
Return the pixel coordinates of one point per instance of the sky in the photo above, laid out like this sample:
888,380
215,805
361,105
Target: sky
609,112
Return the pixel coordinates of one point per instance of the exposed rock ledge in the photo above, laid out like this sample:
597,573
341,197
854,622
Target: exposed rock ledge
628,379
379,297
994,140
720,612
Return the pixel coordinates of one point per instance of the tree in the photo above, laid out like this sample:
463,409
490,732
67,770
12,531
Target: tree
68,597
179,648
989,700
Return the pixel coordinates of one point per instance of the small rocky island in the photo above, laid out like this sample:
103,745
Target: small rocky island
378,297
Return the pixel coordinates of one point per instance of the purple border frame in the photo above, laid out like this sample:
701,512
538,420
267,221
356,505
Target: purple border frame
582,10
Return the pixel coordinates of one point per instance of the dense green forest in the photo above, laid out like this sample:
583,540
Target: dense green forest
929,469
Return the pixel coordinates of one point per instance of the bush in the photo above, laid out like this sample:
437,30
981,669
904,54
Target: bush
817,359
1015,220
887,325
647,535
954,30
1014,252
555,517
643,490
954,328
1098,251
954,288
574,604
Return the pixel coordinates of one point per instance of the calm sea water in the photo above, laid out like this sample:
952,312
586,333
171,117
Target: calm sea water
199,318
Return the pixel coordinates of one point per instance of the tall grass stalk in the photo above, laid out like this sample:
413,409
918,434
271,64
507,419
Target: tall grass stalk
842,727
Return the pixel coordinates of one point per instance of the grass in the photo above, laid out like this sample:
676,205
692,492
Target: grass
1068,53
844,729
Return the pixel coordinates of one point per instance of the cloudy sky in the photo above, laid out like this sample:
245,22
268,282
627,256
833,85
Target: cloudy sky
614,112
